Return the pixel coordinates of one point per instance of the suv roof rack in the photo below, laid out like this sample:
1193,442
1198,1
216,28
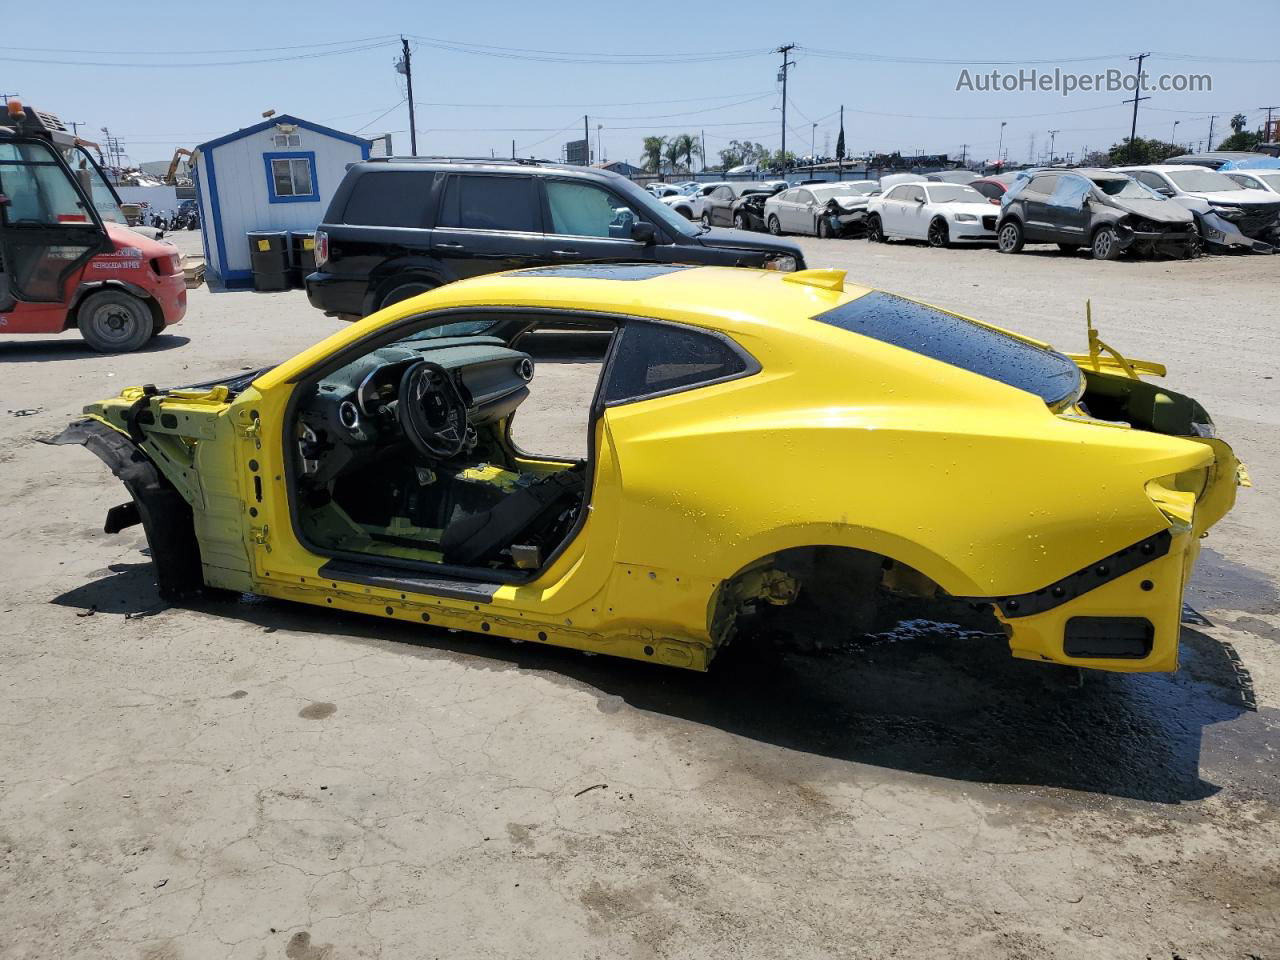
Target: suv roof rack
450,158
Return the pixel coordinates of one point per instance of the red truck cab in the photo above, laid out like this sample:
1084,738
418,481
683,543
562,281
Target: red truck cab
67,256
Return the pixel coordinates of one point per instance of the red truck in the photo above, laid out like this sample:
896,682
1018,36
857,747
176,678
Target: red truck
67,256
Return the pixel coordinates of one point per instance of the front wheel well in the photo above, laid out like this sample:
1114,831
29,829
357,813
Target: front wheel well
85,290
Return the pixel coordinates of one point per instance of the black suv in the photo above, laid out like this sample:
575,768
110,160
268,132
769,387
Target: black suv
1106,211
397,227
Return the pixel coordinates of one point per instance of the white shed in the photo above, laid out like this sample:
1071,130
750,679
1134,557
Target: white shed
276,175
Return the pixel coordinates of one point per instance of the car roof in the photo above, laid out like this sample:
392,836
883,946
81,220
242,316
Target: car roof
1165,167
487,165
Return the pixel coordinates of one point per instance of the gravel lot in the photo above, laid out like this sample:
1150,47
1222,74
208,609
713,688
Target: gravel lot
263,780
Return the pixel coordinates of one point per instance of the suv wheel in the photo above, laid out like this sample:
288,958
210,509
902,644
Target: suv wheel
875,229
740,221
404,291
112,321
774,226
1106,245
1009,239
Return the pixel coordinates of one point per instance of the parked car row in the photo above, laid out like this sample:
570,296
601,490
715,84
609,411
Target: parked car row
1174,209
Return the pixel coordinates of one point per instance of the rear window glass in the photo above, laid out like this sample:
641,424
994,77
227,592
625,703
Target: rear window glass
961,343
491,203
390,198
654,358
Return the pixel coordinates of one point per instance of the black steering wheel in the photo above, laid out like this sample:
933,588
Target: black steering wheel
431,411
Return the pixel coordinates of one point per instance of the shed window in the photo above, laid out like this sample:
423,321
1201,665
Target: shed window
291,177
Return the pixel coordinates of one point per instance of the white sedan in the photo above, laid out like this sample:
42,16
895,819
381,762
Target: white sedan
819,209
942,213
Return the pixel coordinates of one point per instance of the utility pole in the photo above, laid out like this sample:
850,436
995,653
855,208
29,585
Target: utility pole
813,134
586,137
75,127
1000,148
1266,131
785,49
1174,141
703,133
513,149
1137,98
405,66
1053,136
1210,146
8,95
599,143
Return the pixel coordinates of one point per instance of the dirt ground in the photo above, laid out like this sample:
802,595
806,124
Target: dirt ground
264,780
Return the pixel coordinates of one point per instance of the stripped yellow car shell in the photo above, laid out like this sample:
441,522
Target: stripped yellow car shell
839,440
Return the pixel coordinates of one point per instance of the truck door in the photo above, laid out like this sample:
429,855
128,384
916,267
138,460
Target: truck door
48,226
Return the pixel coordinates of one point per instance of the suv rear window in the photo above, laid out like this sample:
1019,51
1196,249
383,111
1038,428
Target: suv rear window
478,202
961,343
390,198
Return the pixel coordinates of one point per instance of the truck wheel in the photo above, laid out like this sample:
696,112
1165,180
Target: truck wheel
1009,239
112,321
1106,245
404,291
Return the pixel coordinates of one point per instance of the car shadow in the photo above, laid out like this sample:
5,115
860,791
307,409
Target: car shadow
73,348
927,699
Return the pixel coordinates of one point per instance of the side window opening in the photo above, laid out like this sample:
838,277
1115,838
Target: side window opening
584,210
660,358
480,202
390,198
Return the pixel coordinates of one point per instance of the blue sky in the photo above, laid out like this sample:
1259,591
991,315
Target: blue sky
473,103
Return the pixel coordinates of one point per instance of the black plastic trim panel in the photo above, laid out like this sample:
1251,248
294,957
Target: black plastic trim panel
394,578
1082,581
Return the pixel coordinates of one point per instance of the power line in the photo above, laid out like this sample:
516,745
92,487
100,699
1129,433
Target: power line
186,64
160,53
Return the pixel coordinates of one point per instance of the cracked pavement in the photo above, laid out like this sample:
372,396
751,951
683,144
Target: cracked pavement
258,779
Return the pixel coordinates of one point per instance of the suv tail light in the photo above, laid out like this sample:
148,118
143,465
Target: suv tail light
322,249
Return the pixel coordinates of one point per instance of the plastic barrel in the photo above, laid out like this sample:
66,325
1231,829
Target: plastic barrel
302,255
269,257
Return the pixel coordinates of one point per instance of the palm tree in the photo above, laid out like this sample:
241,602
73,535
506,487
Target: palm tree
651,155
686,147
673,152
1238,122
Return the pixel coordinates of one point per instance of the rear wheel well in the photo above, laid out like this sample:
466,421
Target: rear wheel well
833,591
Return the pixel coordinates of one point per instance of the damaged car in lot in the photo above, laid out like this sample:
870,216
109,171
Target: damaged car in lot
821,209
735,472
1227,215
1107,212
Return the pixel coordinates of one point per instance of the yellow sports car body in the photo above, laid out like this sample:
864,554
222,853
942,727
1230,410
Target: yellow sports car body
757,441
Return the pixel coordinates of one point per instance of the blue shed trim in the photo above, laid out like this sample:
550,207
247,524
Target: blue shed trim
219,241
310,157
287,118
204,214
